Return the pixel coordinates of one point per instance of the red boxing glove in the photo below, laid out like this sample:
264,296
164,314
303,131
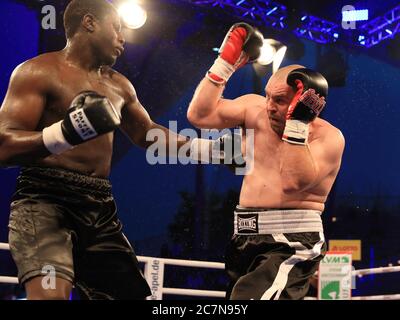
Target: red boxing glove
242,44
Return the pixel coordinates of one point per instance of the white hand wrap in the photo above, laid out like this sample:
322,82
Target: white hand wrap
296,132
222,69
54,139
200,150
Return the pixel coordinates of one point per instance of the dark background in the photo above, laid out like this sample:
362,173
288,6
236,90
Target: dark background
186,211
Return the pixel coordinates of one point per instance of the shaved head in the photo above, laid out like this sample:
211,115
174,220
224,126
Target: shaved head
280,76
277,82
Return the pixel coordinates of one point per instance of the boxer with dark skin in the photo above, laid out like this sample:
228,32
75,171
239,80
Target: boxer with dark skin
40,93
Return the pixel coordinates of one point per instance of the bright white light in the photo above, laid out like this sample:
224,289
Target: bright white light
355,15
268,52
132,14
278,58
273,52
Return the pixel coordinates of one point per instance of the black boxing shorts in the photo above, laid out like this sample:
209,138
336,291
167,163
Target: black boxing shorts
67,222
273,253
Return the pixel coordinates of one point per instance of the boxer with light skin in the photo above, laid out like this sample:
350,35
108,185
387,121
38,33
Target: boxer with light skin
278,239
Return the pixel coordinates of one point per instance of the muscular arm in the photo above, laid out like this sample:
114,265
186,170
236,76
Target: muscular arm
136,123
20,113
208,110
303,167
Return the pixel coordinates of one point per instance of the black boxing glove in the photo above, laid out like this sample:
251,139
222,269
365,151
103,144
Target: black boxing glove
311,91
242,44
89,116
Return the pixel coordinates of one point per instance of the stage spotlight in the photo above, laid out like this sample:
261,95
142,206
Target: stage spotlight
268,52
280,54
273,52
132,14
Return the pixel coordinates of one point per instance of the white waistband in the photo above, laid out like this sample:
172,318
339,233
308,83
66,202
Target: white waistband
277,221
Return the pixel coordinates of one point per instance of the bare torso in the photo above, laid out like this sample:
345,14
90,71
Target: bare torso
67,81
262,188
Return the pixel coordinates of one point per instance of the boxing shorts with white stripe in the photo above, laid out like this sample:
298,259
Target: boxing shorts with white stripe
273,253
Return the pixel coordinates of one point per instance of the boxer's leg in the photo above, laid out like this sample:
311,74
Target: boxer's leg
283,269
259,258
41,245
106,266
110,273
35,291
299,277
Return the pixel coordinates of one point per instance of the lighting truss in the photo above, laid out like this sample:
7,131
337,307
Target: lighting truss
318,30
269,13
381,28
275,15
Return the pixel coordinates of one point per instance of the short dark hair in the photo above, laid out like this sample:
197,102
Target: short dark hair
77,9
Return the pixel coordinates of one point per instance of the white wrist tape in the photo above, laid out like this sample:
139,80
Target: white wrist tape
222,69
296,132
200,150
54,139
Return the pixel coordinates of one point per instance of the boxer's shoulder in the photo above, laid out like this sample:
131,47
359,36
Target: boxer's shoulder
121,82
324,130
115,76
46,61
252,102
39,70
327,128
30,66
252,99
255,105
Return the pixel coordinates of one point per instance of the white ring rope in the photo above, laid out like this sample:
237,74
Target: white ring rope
219,265
197,293
362,272
185,263
9,280
382,297
4,246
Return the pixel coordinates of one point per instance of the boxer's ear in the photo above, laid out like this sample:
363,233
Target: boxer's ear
88,22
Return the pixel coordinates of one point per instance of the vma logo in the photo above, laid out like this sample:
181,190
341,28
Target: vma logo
335,259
